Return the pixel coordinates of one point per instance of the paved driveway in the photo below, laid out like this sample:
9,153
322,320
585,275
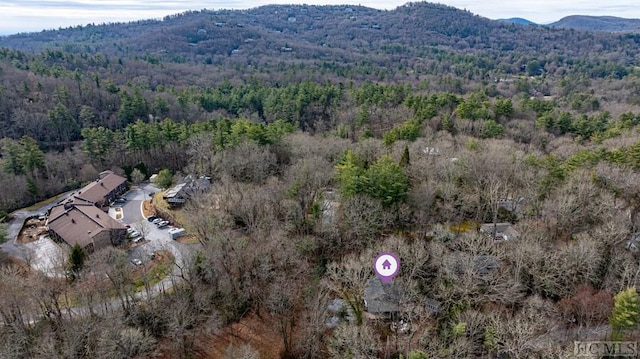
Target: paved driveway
46,256
16,223
155,238
133,206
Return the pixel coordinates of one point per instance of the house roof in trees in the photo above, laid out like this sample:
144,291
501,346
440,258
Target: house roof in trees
175,191
97,190
78,223
185,189
511,205
503,231
380,298
432,306
484,264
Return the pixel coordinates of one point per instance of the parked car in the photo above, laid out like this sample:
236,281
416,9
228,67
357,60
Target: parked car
132,232
152,218
157,220
162,224
137,239
136,261
120,200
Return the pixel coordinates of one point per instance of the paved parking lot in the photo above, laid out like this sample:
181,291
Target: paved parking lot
46,256
156,239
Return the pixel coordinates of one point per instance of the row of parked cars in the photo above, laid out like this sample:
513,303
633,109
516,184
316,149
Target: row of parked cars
158,221
134,235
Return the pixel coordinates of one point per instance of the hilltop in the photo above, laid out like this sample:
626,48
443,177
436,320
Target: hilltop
598,23
518,20
330,33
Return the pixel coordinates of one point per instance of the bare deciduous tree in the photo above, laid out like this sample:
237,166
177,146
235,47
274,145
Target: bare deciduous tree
143,227
363,218
248,162
120,342
242,351
522,335
357,341
349,278
305,181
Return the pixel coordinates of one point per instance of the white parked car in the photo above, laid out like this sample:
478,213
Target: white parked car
136,261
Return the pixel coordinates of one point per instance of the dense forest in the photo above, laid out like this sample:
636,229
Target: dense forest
331,134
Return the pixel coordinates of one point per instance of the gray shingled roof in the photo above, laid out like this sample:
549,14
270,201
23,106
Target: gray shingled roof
382,298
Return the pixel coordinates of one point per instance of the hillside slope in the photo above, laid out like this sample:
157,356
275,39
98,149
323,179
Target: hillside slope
518,20
330,33
598,23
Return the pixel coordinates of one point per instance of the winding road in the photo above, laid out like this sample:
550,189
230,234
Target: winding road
11,247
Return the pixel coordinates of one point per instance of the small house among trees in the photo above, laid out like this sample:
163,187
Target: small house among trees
189,186
500,231
485,264
382,299
432,306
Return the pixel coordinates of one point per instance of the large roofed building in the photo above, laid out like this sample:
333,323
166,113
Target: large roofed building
82,219
102,191
85,225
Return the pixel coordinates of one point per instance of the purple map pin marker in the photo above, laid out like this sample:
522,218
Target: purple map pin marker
386,265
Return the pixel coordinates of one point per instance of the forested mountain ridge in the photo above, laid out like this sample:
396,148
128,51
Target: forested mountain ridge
314,32
500,162
518,20
192,66
598,23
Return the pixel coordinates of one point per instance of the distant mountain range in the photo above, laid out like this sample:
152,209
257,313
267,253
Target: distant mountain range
518,20
598,23
587,23
343,33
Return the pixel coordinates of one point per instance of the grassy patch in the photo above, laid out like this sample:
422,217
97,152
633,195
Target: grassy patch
188,239
38,205
147,209
464,227
154,271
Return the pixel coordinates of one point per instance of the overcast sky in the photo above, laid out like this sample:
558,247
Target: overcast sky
35,15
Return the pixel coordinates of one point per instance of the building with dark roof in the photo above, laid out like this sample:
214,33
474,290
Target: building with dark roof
85,225
100,192
500,231
82,219
380,298
189,186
